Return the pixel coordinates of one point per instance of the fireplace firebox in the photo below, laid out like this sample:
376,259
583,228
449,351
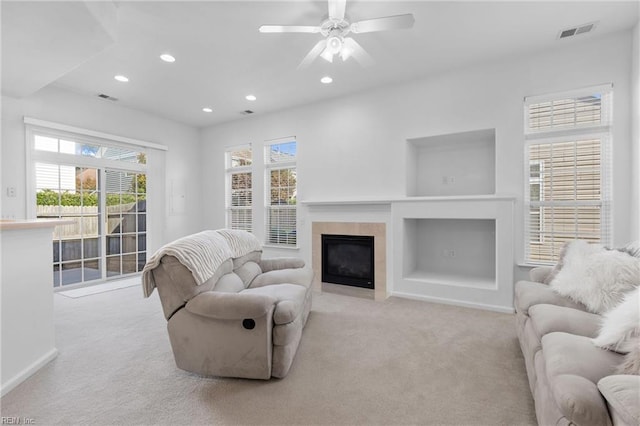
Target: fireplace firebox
348,260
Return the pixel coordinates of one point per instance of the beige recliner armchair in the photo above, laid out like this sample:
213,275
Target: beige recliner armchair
230,312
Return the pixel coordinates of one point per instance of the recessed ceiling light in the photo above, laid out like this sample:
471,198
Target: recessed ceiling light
207,109
121,78
250,97
326,80
167,58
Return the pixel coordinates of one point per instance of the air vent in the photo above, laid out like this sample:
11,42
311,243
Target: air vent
582,29
103,96
247,112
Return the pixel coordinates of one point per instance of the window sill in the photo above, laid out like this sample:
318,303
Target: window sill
276,246
532,265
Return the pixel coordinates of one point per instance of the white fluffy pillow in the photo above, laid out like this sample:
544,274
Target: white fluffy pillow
596,277
621,325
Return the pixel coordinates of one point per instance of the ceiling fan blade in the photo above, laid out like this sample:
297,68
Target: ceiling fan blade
336,9
289,29
353,49
382,24
313,54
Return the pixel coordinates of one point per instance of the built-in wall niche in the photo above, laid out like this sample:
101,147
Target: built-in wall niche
460,252
452,164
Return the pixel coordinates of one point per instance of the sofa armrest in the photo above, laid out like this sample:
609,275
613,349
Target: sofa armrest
540,273
230,306
301,276
276,263
621,392
528,294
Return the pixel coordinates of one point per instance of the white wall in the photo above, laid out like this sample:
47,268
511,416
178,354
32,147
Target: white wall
61,106
355,146
635,132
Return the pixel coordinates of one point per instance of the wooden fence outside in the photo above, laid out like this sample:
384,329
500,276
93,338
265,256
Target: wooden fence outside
86,219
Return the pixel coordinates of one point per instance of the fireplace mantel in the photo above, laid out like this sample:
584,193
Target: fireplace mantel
389,201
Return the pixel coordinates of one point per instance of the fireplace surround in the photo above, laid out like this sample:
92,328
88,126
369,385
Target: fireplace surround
376,229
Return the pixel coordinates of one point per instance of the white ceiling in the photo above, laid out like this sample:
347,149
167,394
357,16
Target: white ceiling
221,56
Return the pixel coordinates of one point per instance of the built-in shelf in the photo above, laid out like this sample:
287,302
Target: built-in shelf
451,279
455,250
452,164
450,251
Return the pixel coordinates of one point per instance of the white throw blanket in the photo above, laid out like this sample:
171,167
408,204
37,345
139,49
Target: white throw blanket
201,253
240,242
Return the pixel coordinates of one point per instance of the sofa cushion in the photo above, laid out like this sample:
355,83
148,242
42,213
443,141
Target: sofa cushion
248,272
550,318
622,393
529,294
177,286
570,354
229,283
290,300
579,400
573,366
254,256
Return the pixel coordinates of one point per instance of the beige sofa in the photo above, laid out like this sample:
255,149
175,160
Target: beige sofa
244,319
573,382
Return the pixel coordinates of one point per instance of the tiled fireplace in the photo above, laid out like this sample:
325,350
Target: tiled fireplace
375,230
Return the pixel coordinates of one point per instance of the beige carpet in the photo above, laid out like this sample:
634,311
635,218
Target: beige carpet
360,362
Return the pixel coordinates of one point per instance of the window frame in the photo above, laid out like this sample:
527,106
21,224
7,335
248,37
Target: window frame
230,171
269,167
601,131
35,128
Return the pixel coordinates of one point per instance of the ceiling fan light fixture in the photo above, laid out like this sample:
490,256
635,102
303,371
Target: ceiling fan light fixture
327,55
335,30
334,44
346,53
326,80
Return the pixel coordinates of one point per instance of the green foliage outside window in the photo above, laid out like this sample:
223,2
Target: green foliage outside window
47,197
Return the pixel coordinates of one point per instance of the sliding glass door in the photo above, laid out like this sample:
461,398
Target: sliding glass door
102,190
126,231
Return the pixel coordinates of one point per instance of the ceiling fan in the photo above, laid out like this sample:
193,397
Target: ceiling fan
335,30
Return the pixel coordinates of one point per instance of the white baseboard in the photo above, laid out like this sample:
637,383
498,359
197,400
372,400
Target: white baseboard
494,308
27,372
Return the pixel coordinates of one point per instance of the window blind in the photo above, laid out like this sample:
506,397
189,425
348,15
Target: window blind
567,171
281,182
239,189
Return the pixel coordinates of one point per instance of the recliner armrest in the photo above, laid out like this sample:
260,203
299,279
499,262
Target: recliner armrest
301,276
540,273
276,263
230,306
